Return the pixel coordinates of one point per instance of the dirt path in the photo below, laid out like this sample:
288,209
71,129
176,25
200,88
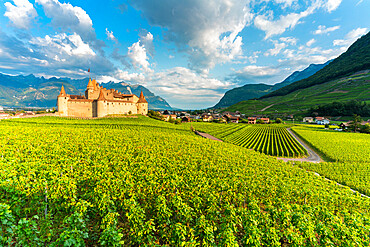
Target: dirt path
267,107
312,155
208,136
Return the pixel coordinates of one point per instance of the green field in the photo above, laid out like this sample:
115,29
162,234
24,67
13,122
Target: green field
268,139
349,151
142,182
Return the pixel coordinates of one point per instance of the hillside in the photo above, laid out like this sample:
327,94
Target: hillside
251,91
32,91
353,87
356,58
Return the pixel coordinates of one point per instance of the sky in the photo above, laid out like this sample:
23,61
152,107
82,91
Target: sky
189,52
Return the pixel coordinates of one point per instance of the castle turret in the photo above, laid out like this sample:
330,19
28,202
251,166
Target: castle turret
62,102
101,107
142,105
89,89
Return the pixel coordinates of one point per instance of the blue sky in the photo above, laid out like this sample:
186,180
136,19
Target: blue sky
189,52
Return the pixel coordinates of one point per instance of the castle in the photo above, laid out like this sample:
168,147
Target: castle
99,102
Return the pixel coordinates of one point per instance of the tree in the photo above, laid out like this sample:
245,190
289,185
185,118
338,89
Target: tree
278,120
365,128
260,121
356,122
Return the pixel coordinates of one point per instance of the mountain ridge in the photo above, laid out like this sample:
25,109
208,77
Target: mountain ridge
32,91
250,91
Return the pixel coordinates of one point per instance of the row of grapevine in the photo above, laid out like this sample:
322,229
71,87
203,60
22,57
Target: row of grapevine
141,182
271,139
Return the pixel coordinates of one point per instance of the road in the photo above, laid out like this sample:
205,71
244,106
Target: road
312,155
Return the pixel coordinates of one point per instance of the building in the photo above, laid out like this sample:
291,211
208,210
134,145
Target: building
265,120
167,117
322,120
100,102
252,120
308,119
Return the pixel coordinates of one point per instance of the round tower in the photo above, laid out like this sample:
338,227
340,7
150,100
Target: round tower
142,105
62,102
89,89
101,105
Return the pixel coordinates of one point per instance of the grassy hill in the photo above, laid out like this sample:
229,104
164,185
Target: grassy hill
354,87
345,78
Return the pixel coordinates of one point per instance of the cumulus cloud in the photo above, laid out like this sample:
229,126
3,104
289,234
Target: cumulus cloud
208,31
137,52
63,44
351,37
323,29
21,13
71,19
186,89
110,35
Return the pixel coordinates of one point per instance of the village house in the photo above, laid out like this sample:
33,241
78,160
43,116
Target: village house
252,120
4,115
100,102
266,120
321,120
185,119
207,117
169,116
308,119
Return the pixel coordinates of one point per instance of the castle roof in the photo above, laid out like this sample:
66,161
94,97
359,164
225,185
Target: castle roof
90,84
95,86
62,91
142,98
101,95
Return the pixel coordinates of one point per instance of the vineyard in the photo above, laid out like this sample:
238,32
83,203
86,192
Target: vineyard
141,182
349,151
272,140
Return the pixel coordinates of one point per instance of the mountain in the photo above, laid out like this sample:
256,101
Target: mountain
346,78
32,91
251,91
356,58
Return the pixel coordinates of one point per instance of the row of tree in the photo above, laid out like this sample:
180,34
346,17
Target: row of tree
348,108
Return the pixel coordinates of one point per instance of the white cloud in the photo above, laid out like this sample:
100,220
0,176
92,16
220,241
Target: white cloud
276,50
323,29
332,5
68,18
62,45
188,89
21,13
207,30
147,41
289,40
120,75
273,27
137,52
310,42
351,37
254,73
110,35
359,2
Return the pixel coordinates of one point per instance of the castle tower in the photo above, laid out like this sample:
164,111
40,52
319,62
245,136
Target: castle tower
62,102
101,107
89,89
142,105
